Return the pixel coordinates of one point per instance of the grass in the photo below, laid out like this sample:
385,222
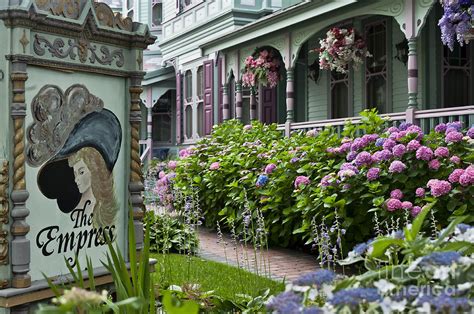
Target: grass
226,281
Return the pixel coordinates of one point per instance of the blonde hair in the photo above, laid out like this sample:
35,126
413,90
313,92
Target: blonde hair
102,184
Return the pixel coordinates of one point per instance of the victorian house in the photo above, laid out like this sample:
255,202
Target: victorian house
194,71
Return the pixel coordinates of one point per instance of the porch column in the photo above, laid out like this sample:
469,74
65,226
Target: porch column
225,102
238,100
290,95
149,132
412,81
253,105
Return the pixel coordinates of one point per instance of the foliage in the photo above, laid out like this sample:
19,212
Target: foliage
207,283
323,181
406,272
170,234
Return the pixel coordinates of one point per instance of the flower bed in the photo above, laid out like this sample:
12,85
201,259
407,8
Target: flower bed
328,190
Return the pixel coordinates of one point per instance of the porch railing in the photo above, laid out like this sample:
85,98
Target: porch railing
426,119
145,151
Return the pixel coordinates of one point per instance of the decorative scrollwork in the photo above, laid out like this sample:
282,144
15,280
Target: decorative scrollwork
4,211
78,47
68,8
108,18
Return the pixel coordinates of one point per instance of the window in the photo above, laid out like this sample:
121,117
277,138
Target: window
188,116
130,4
188,86
376,66
156,13
200,102
200,82
339,95
457,76
162,118
246,104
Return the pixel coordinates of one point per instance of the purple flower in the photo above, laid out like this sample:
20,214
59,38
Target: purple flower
413,145
455,160
349,166
214,166
392,129
381,155
301,180
420,192
401,135
363,158
343,174
434,164
351,156
373,174
453,137
407,205
397,167
317,278
440,128
389,144
359,143
353,297
455,175
285,301
404,125
327,180
442,152
380,141
415,129
269,168
295,159
172,164
397,193
424,153
439,187
161,174
393,204
345,147
456,125
467,177
399,150
470,132
415,211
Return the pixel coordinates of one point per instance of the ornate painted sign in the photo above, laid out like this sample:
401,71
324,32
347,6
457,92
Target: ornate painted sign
76,142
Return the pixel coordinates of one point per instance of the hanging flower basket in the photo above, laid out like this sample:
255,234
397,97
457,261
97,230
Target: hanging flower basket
261,68
456,22
340,48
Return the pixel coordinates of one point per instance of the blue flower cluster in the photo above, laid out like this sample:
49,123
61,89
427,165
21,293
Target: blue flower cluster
444,303
317,278
440,258
362,248
355,296
261,180
286,302
463,227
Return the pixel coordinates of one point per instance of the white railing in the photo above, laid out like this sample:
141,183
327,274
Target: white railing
145,150
427,119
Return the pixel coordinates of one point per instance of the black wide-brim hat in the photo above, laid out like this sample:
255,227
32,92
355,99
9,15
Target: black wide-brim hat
100,130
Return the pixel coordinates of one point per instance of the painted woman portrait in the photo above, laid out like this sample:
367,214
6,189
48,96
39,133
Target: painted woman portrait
80,175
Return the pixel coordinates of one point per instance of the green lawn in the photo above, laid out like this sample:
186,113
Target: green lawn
226,281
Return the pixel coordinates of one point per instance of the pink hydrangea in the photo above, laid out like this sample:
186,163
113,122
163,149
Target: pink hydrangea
439,187
440,128
441,152
455,175
399,150
470,132
455,160
415,211
453,137
363,158
420,192
343,174
424,153
392,129
389,144
467,178
327,180
434,164
172,164
397,194
381,155
373,174
415,129
407,205
247,127
413,145
312,133
397,167
345,147
301,180
393,204
161,174
214,166
269,168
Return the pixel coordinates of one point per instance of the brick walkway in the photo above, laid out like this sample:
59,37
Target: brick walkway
280,263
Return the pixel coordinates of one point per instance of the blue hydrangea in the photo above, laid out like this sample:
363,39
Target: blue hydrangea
379,142
463,227
317,278
411,292
286,302
262,180
440,258
312,310
444,303
362,248
353,297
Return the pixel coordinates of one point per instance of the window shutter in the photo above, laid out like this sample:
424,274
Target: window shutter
178,107
220,97
208,96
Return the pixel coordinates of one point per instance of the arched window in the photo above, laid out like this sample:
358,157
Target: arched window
188,104
156,13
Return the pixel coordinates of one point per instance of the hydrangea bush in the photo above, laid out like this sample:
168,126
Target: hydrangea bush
371,178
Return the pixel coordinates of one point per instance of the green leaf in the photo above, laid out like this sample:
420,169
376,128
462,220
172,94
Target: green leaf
418,222
185,307
381,244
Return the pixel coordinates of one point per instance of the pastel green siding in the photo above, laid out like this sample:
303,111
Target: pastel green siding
145,10
169,10
317,91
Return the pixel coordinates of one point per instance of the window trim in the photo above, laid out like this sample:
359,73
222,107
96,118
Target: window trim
153,3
